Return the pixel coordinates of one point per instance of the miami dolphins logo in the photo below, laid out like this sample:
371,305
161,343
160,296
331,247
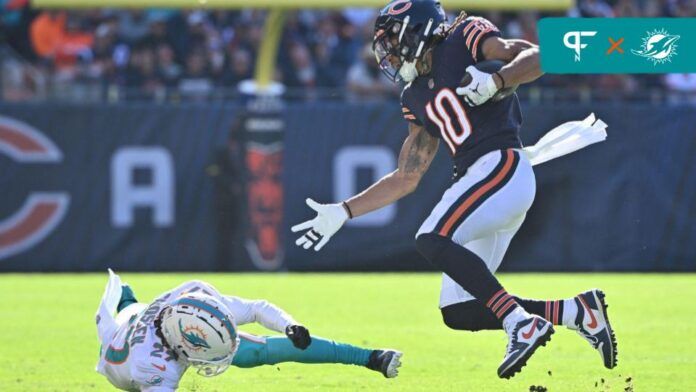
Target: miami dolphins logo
155,380
194,338
658,46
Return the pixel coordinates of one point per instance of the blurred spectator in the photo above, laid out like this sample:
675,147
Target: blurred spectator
302,69
524,27
167,68
626,9
679,8
196,82
19,82
100,63
141,74
155,35
47,31
133,25
238,67
12,11
15,16
345,51
682,88
366,81
57,37
594,9
360,16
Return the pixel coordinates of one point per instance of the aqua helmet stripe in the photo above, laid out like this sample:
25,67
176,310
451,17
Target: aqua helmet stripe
215,312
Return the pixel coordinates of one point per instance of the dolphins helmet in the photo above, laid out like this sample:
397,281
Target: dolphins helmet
404,30
201,329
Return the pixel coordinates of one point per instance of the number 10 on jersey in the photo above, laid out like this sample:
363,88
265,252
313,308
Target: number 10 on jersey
454,133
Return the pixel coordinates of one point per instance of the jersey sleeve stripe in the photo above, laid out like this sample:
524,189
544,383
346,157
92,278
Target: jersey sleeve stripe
409,117
468,28
474,49
475,33
476,29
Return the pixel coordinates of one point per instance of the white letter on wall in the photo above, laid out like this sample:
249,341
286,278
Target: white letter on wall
158,194
381,161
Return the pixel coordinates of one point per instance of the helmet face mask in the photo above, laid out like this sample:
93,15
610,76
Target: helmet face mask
201,330
212,368
386,54
403,33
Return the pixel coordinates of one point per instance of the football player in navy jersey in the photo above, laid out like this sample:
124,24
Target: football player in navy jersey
470,228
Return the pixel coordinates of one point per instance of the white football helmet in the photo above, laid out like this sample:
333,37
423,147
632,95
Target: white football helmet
202,330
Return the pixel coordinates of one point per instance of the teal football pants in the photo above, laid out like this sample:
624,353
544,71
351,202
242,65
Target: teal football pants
256,351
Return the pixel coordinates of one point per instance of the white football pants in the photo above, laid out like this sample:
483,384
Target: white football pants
482,211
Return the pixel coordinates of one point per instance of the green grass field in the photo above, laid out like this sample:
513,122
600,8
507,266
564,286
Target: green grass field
50,337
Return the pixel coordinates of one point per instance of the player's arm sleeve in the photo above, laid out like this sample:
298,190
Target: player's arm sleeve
259,311
409,115
474,31
192,286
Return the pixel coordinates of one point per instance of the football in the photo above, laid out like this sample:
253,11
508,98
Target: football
491,66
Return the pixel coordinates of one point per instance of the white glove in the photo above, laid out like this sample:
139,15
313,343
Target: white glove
481,89
330,218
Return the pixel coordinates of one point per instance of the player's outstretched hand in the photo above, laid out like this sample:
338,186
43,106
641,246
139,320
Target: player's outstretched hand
330,218
481,88
299,335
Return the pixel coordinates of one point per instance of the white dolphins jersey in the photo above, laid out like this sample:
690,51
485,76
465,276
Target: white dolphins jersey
134,358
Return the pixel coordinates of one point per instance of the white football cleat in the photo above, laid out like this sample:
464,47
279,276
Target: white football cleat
525,337
592,323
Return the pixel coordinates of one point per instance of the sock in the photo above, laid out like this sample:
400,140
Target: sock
550,310
468,270
558,312
475,316
127,298
277,349
512,318
570,312
502,304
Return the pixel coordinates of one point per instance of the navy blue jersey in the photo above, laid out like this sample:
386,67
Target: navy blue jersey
431,101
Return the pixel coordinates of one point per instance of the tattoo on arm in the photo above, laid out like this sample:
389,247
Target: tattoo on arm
418,154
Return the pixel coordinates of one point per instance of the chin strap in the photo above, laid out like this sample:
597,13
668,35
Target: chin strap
408,71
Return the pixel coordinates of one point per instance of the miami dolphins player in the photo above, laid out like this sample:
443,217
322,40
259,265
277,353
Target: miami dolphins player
150,347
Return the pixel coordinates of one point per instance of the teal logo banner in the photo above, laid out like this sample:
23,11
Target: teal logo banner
617,45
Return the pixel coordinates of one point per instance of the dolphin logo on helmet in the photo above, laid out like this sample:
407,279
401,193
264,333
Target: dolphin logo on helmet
193,337
200,328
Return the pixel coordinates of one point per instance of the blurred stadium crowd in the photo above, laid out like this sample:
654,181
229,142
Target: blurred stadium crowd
202,55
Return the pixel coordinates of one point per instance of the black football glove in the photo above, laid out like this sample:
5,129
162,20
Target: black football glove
299,335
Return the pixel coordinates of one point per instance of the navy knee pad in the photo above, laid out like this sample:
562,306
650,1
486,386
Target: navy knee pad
469,316
431,246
